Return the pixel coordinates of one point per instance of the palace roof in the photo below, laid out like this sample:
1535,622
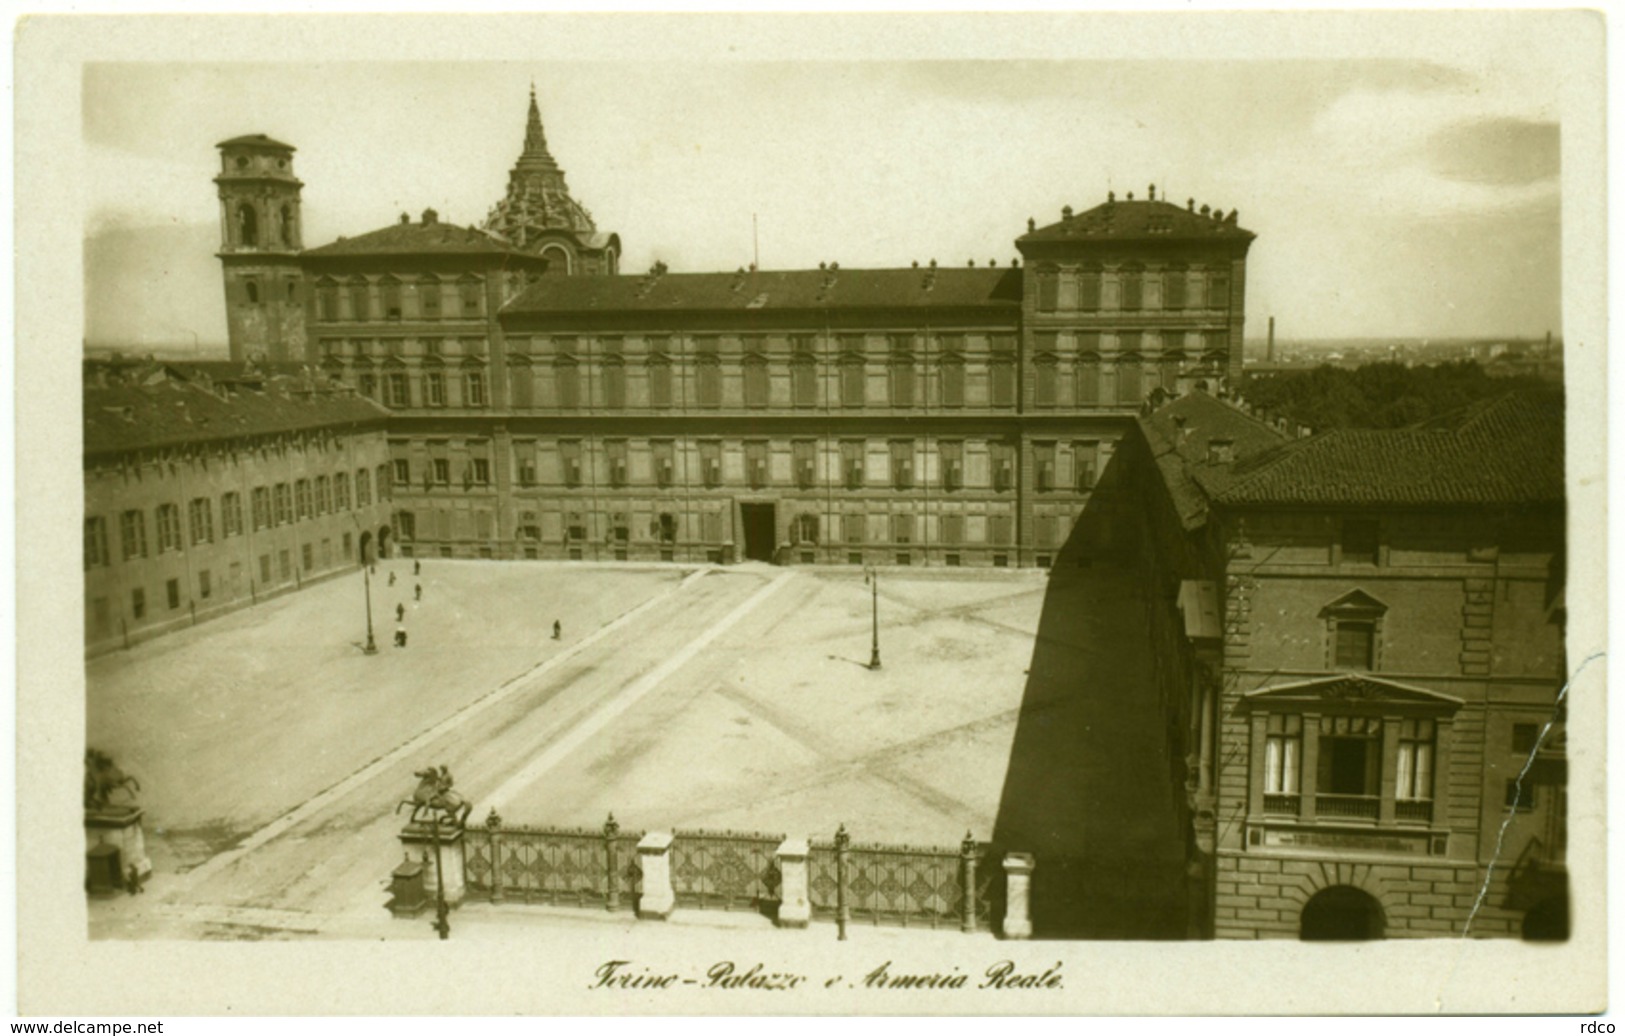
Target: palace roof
1141,220
169,412
430,237
964,287
1181,436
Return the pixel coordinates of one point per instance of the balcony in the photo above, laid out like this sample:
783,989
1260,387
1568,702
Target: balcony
1281,805
1415,811
1347,807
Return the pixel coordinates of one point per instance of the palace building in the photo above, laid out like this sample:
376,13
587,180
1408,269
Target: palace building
544,405
1361,653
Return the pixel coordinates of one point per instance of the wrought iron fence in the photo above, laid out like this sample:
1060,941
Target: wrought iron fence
911,886
568,866
727,869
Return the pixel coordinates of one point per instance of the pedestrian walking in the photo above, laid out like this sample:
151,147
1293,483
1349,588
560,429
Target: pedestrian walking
417,567
558,631
417,591
400,612
400,635
392,579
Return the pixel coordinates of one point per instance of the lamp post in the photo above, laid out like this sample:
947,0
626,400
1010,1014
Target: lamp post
366,577
872,577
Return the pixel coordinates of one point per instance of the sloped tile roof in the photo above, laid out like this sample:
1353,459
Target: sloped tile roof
1136,220
1504,450
417,239
255,140
174,413
1179,434
964,287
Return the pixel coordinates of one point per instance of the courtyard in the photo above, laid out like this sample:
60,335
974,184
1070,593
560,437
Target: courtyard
273,752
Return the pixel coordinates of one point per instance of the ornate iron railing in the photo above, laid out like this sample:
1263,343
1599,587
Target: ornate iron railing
904,885
1281,804
1414,810
1358,807
568,866
727,869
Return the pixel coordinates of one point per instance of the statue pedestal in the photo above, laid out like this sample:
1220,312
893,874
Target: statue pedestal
119,827
419,840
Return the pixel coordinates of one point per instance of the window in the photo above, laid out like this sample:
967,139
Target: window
434,388
1350,755
951,529
327,300
403,472
96,542
615,451
852,473
1218,288
1520,795
902,528
806,528
567,382
283,496
1360,540
389,289
756,473
1047,289
441,466
1002,380
482,471
711,463
614,372
1128,379
666,528
1525,736
1089,289
756,381
1129,280
707,373
570,458
951,457
1044,533
324,495
360,299
251,292
852,528
803,372
471,296
804,453
397,393
659,381
265,568
367,385
200,517
301,499
1173,287
363,488
307,554
1283,755
1044,467
853,376
1045,380
1355,644
231,514
203,584
952,374
172,592
902,463
248,226
1415,760
901,382
262,508
138,603
341,492
711,527
169,527
1085,458
665,461
474,388
1002,462
1000,529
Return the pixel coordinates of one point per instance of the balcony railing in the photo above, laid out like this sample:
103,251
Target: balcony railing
1356,807
1281,805
1414,810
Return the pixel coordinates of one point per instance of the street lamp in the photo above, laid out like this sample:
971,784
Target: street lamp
872,577
366,576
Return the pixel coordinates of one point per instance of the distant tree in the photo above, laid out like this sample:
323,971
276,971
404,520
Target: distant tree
1381,395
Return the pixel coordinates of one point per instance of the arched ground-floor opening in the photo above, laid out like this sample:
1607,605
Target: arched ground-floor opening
383,541
367,557
1548,920
1341,913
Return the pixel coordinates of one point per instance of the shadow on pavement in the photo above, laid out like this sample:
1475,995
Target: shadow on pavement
1089,791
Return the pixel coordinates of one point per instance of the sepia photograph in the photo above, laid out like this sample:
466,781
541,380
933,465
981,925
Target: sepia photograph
947,514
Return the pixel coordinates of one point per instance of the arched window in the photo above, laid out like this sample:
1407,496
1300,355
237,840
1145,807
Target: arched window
1341,913
558,260
251,292
248,226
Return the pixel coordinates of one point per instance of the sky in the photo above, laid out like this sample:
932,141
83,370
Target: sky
1407,198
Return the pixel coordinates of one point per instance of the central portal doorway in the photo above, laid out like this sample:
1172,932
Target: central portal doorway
759,527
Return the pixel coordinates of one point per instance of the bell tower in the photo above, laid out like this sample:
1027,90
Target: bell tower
260,244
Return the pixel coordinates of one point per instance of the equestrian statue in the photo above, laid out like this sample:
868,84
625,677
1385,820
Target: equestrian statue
434,801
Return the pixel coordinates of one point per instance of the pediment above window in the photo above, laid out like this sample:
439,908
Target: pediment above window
1348,688
1353,604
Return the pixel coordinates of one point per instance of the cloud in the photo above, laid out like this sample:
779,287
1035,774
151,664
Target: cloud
1496,151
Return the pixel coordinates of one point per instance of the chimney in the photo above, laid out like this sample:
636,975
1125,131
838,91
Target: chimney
430,217
1220,451
1066,212
1153,192
1032,224
1190,204
1204,210
1111,196
1269,350
405,218
1130,195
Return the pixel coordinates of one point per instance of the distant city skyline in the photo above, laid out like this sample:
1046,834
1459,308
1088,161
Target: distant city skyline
1391,198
